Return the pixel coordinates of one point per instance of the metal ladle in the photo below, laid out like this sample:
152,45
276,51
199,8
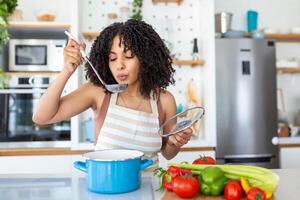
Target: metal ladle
110,87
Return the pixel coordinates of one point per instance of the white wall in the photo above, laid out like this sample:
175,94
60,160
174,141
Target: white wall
61,9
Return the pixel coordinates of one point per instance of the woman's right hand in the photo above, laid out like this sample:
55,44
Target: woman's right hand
72,55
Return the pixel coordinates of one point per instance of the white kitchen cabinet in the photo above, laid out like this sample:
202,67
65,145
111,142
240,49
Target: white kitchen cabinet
289,157
61,164
188,156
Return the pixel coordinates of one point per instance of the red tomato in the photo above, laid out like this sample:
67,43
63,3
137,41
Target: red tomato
176,171
186,186
208,160
167,182
171,174
233,190
256,194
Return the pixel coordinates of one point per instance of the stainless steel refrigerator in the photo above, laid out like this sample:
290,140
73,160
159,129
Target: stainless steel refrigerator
246,102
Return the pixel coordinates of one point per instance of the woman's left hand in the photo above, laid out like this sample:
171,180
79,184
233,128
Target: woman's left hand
181,138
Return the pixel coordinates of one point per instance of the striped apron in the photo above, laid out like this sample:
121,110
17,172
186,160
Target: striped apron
125,128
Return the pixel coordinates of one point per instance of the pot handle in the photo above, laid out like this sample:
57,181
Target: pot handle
80,165
146,163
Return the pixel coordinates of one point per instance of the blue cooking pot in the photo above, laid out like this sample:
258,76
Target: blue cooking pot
113,171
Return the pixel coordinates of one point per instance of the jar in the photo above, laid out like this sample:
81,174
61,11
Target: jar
124,15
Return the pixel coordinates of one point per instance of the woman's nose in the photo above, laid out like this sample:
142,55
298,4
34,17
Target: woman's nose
120,65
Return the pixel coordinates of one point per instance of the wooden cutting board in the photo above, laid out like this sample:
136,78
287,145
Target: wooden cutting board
173,196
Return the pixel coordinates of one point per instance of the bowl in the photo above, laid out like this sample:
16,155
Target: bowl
45,17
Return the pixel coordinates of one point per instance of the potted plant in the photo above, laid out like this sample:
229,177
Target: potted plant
6,8
137,9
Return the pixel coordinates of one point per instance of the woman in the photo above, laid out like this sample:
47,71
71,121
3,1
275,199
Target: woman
126,53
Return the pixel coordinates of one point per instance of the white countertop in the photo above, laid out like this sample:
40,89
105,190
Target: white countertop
289,140
67,187
72,187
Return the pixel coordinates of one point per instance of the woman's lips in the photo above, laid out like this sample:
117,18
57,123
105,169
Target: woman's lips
122,77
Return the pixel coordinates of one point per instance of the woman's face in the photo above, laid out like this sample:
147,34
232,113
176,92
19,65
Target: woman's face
123,65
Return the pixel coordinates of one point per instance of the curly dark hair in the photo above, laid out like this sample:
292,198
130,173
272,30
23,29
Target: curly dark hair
156,71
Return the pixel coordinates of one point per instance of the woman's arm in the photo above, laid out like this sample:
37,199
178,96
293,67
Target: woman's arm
52,107
172,144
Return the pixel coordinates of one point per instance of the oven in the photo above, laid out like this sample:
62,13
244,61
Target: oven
18,102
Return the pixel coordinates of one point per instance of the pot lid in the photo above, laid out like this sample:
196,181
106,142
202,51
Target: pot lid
181,121
113,155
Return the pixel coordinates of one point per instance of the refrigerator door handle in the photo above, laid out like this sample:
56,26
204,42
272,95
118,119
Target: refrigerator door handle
248,158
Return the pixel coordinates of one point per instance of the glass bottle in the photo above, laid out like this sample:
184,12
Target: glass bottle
195,50
124,15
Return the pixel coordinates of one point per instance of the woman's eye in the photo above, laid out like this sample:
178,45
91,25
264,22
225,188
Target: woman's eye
112,59
129,54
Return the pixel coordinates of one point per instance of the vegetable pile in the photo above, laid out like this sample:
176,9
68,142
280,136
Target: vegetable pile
207,178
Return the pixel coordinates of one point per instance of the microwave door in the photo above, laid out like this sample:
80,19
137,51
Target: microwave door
30,57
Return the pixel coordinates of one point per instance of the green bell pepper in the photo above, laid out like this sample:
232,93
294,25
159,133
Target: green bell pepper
212,181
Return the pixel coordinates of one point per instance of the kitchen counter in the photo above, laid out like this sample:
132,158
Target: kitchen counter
69,151
72,187
284,142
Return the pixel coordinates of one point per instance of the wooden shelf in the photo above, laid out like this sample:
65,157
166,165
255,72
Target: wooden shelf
193,63
284,37
90,35
167,1
31,73
34,24
288,69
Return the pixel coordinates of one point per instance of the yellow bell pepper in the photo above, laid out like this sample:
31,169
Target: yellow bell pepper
246,187
269,195
245,184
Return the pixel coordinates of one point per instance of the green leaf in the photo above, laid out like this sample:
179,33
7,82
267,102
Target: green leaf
136,9
6,8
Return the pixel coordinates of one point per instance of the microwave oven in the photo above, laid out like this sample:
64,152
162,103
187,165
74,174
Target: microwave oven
36,54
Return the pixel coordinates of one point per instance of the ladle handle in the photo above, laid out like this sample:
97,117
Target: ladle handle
86,58
73,38
91,65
